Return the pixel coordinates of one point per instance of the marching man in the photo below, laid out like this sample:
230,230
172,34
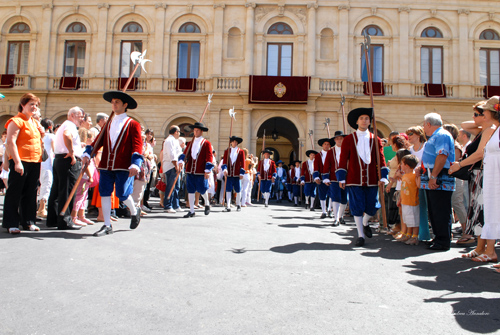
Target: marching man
279,185
319,162
337,195
361,180
295,176
199,164
266,174
306,177
233,165
121,159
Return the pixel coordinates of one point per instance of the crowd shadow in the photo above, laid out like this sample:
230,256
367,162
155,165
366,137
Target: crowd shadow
309,225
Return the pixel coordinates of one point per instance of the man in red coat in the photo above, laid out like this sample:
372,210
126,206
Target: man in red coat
121,158
319,162
307,179
357,171
199,164
233,165
267,175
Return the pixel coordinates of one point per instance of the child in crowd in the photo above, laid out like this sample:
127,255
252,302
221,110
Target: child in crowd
409,198
402,235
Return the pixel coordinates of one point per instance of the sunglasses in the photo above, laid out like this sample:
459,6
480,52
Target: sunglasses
478,114
410,134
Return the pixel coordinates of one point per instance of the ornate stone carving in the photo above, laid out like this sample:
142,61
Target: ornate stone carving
344,7
281,10
103,5
219,5
260,12
491,15
300,12
312,5
47,6
463,11
404,9
190,8
374,10
251,4
433,12
132,8
160,5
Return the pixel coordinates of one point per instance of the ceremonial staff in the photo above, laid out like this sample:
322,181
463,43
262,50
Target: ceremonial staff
300,155
327,126
263,147
311,132
366,47
232,115
138,59
190,143
342,102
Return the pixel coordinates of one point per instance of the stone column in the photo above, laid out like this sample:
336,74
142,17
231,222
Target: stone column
404,52
463,47
157,48
247,129
42,64
343,41
249,38
218,39
311,39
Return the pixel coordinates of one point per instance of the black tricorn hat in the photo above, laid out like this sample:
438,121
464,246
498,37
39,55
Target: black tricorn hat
296,161
323,140
308,152
124,97
199,125
267,151
236,138
338,133
354,115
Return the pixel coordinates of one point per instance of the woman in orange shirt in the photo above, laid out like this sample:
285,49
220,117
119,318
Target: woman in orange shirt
24,145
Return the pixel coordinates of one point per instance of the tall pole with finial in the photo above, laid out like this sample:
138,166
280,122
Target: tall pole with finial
232,115
342,103
327,126
261,154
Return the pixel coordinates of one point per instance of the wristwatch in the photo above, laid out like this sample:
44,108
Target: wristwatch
432,177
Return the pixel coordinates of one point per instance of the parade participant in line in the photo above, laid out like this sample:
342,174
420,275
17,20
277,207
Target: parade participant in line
198,157
337,195
266,174
289,185
279,185
233,167
121,158
319,162
295,176
306,178
360,156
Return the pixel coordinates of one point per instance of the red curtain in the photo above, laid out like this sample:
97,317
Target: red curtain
69,83
490,91
268,89
435,90
123,81
378,88
7,80
185,85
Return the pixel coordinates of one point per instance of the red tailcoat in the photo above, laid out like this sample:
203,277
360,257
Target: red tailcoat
318,164
358,173
199,165
267,175
234,168
304,171
331,165
293,176
129,142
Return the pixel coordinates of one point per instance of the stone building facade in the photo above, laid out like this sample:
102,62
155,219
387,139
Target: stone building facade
222,43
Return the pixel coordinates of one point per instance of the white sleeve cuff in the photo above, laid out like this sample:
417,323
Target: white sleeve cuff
135,167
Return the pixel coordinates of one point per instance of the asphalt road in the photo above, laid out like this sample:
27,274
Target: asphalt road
276,270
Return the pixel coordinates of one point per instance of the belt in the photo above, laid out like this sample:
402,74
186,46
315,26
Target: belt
64,155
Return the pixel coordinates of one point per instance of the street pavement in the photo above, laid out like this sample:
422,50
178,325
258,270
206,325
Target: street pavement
275,270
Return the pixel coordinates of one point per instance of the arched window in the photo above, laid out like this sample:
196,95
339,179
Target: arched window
19,28
190,27
489,35
234,43
432,33
326,44
132,27
372,30
280,28
76,27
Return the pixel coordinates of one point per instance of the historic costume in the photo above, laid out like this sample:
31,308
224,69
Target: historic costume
122,151
267,175
279,184
319,162
307,179
199,161
337,195
357,169
234,163
289,185
295,177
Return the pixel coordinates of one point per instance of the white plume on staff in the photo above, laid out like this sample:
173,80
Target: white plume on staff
232,113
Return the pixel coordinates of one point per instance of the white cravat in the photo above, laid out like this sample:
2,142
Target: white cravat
363,146
323,155
195,149
267,164
337,153
116,127
297,172
280,172
310,164
234,155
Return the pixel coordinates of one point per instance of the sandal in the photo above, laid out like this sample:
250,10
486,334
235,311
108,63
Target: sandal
471,254
14,231
466,240
87,221
484,259
33,227
496,266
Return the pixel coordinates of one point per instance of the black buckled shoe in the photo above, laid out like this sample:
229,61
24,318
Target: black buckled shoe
105,230
323,216
190,215
329,214
238,208
368,231
226,209
360,242
342,221
335,223
136,219
207,210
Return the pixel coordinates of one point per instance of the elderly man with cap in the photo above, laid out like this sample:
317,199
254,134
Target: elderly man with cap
233,167
337,195
121,158
199,164
360,155
319,162
306,178
295,176
279,185
267,175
